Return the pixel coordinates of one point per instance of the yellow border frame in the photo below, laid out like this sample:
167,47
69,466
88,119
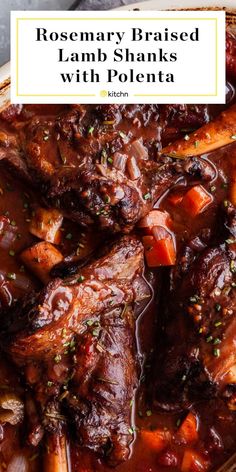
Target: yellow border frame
123,19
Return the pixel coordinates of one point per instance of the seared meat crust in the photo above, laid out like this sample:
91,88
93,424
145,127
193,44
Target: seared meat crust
78,335
201,359
95,164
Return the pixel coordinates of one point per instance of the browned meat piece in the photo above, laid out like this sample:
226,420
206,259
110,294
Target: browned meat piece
76,343
99,164
200,357
103,384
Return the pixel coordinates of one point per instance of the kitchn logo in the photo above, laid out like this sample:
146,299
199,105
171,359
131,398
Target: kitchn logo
113,94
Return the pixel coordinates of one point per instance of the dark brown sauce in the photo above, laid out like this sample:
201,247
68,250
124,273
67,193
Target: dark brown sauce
17,204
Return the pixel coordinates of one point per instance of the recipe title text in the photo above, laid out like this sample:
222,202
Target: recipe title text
156,53
118,57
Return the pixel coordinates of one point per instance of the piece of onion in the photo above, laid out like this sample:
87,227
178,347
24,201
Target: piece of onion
133,168
160,233
7,233
138,150
18,463
5,296
20,281
119,161
7,239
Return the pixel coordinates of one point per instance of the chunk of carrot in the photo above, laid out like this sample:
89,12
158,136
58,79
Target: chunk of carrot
46,224
215,134
156,218
196,200
159,253
188,430
156,440
41,258
193,462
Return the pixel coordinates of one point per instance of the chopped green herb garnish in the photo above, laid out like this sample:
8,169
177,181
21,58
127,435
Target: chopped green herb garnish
216,352
13,223
218,323
149,413
110,160
196,144
122,135
232,266
49,383
11,253
91,130
80,278
217,341
147,196
57,358
11,276
209,339
217,307
95,332
89,322
69,236
230,241
107,199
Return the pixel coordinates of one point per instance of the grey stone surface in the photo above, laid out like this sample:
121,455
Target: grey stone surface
103,4
7,5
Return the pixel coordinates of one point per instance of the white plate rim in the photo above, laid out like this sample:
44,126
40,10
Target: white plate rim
175,4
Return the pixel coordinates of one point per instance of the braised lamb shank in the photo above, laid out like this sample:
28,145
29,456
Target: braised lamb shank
85,164
200,325
75,342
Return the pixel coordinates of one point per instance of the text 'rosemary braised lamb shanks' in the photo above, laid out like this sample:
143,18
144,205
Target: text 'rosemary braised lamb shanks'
96,163
75,341
199,357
